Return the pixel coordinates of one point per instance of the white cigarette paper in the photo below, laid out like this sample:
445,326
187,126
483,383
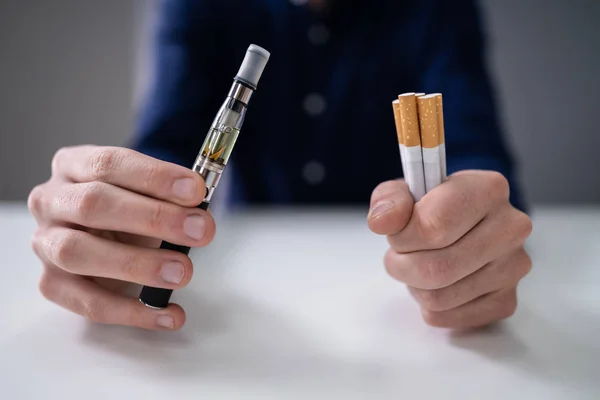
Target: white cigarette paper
428,127
409,122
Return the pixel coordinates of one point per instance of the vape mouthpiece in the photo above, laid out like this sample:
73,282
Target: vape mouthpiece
253,65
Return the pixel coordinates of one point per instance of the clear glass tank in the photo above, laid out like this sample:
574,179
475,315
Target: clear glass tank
218,145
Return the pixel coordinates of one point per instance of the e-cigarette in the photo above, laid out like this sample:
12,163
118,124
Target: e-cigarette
217,147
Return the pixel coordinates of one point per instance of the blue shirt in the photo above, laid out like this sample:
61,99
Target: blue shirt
320,128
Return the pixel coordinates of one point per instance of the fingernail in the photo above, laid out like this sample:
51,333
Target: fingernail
165,321
194,226
184,188
381,208
172,272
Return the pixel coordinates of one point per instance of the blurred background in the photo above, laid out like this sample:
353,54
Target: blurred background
73,71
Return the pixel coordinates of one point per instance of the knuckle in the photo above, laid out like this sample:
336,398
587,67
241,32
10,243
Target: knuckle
434,231
47,285
36,199
136,316
391,264
498,185
429,299
102,164
432,318
65,247
152,175
527,263
509,304
522,265
433,272
130,266
87,201
37,241
93,310
157,217
59,155
524,225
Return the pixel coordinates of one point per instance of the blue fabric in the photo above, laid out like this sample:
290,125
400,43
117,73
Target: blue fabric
375,50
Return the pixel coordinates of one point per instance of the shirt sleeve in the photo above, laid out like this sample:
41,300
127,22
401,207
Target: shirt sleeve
456,67
181,99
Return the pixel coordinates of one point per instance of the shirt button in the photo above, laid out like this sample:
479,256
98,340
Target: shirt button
318,34
313,172
314,104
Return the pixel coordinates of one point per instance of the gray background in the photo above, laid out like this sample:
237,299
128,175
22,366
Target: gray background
71,72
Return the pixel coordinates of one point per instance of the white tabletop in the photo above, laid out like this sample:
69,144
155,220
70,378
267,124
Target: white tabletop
298,305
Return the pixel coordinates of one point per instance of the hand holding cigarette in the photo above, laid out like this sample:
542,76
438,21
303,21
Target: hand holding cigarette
459,249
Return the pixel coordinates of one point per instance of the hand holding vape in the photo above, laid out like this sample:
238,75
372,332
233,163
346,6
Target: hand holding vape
217,147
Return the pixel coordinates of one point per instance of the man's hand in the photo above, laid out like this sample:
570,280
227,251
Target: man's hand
459,249
102,215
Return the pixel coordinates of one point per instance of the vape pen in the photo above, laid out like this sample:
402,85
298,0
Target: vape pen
217,147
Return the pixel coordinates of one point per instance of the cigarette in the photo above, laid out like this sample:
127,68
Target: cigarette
397,121
428,126
409,122
442,140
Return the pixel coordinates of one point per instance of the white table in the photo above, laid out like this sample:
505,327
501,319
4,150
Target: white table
298,306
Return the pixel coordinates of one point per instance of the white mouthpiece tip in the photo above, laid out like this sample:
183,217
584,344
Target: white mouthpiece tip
253,65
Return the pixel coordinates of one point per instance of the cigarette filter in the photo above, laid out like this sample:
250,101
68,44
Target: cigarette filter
398,122
428,124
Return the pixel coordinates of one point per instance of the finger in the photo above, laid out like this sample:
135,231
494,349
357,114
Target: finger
495,236
81,253
84,297
391,207
478,313
99,205
450,210
130,170
35,202
40,201
495,276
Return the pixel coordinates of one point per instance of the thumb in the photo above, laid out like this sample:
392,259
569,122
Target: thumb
391,207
